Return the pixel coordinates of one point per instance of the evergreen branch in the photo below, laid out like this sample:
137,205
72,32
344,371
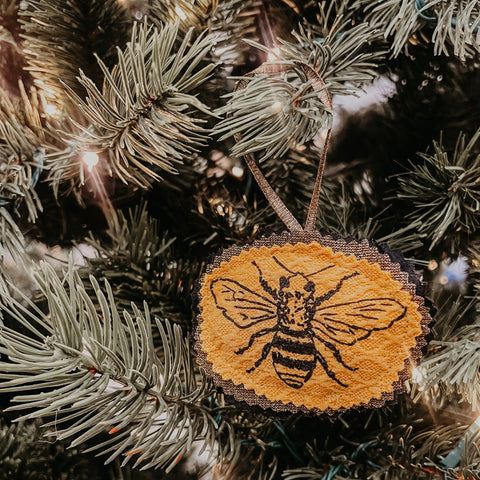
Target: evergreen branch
345,54
31,144
442,192
11,238
24,455
61,37
272,114
101,374
22,157
231,23
448,25
398,452
139,264
142,116
453,368
188,14
223,219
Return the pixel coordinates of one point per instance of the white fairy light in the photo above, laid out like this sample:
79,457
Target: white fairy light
90,159
237,171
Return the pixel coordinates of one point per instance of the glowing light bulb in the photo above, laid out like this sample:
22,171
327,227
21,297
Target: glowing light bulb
432,265
277,106
274,54
180,13
237,172
90,159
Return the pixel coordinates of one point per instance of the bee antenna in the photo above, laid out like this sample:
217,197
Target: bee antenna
319,271
283,266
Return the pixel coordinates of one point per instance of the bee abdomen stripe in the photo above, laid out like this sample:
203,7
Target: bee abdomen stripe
298,346
304,365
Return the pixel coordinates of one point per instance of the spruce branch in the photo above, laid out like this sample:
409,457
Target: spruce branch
452,25
139,263
23,455
99,373
231,23
222,219
345,53
452,369
188,13
62,37
398,452
22,156
31,145
144,117
442,192
272,114
12,240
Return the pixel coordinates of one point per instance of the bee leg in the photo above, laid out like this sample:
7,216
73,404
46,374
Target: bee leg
253,338
265,352
336,354
329,372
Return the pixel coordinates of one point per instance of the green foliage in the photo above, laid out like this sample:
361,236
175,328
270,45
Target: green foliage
442,193
60,38
398,452
12,241
345,53
99,373
453,368
143,118
140,264
222,219
187,13
273,113
231,23
23,455
451,25
21,155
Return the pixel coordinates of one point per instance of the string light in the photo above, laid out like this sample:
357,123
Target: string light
274,54
90,159
180,13
432,265
443,279
237,171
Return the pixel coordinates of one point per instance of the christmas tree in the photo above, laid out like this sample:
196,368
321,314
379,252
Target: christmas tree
132,137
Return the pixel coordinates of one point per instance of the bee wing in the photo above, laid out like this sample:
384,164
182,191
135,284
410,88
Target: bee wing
346,323
240,305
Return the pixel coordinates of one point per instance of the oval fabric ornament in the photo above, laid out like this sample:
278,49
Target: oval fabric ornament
308,322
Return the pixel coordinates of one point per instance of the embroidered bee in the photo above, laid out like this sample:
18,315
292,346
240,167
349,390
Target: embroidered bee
300,323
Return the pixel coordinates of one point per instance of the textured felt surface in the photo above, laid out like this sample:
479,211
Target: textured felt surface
306,326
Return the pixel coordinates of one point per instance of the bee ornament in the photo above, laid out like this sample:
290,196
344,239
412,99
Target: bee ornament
309,322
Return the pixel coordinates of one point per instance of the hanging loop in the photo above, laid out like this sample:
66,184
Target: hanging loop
275,201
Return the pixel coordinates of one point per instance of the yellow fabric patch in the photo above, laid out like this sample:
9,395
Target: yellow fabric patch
304,324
